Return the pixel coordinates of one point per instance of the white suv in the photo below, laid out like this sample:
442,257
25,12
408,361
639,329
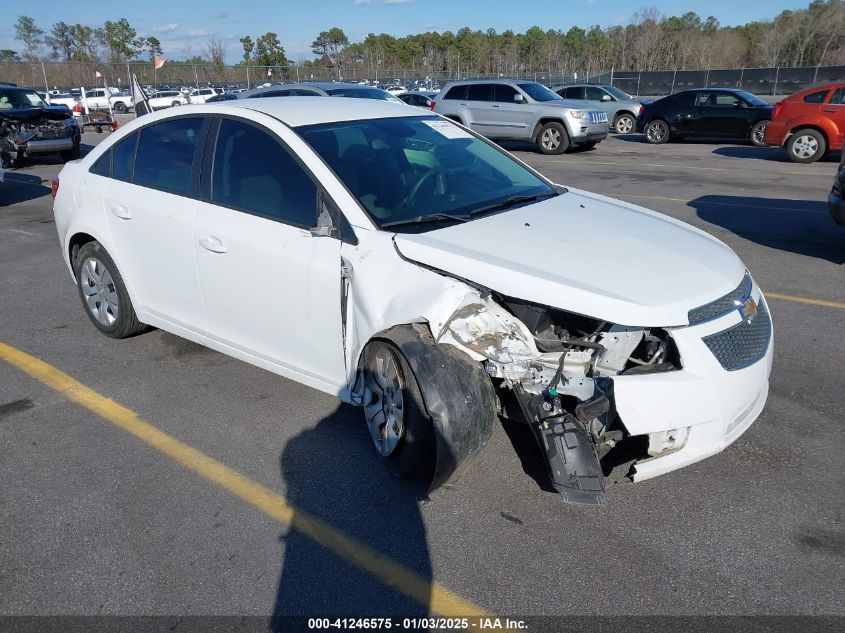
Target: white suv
414,269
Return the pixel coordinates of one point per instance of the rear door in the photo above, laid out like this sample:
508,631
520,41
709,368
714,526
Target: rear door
835,109
479,109
150,204
270,288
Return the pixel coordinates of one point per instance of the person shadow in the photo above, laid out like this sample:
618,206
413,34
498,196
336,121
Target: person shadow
331,471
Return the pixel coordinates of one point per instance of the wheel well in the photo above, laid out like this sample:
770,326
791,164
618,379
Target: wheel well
621,112
76,243
542,122
797,129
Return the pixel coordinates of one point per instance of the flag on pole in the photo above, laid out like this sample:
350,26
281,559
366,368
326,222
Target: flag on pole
139,98
158,61
97,74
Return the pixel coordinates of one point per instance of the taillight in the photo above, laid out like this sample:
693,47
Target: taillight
433,104
642,107
54,187
777,109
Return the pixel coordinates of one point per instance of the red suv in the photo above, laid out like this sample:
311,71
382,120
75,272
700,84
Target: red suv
809,123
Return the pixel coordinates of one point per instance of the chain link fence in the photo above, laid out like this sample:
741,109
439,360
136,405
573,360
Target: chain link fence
66,75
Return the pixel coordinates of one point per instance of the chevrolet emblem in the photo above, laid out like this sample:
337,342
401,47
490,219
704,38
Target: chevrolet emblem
748,309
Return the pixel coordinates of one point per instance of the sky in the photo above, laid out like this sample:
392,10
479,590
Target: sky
185,26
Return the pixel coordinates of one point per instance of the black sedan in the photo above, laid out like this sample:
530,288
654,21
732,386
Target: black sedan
706,112
836,199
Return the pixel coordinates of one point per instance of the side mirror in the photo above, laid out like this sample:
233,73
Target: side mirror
606,97
328,218
518,98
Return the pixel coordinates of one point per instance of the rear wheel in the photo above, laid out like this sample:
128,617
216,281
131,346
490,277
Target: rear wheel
120,107
176,104
552,138
395,413
806,146
103,293
758,132
624,123
657,131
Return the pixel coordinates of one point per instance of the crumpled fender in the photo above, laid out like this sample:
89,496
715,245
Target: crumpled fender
458,395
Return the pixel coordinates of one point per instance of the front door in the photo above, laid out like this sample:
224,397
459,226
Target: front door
510,119
270,287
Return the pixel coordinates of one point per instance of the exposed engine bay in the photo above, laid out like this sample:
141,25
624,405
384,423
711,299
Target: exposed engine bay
559,368
21,130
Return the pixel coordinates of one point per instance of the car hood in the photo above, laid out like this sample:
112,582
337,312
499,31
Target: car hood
587,254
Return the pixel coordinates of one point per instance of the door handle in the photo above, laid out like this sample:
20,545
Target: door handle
495,106
122,212
213,244
828,110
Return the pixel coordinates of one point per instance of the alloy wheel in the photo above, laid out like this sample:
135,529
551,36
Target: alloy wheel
550,139
805,146
657,131
624,124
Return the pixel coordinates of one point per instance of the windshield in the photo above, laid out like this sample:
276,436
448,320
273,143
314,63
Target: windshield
413,170
539,92
10,99
750,98
619,94
362,93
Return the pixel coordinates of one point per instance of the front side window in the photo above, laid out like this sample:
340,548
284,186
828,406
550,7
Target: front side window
253,172
594,94
503,93
620,95
404,170
165,155
10,99
538,92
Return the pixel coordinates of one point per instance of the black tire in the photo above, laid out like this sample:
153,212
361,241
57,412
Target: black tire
552,138
414,454
800,144
176,104
120,107
126,322
72,154
757,133
657,131
627,121
588,146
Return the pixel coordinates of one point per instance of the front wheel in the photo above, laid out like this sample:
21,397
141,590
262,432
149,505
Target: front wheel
624,123
758,132
120,108
176,104
806,146
657,132
395,413
104,294
552,138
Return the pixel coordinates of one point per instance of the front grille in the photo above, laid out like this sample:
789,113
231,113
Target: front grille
722,305
598,117
743,344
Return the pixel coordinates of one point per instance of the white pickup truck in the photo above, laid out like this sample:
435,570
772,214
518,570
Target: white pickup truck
101,99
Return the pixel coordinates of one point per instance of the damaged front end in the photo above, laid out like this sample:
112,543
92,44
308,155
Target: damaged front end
28,131
559,368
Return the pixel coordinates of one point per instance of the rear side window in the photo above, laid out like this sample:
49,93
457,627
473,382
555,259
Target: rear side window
685,98
478,92
816,97
575,92
124,158
503,93
254,173
271,93
103,165
838,97
165,155
456,92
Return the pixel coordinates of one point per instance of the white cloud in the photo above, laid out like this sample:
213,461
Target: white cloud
359,3
198,33
167,28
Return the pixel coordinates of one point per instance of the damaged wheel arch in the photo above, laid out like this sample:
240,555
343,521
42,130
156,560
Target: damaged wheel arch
458,397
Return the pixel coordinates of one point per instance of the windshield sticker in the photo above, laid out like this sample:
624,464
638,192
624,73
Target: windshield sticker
447,129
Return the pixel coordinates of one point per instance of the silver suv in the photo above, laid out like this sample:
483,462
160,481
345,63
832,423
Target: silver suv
522,110
622,109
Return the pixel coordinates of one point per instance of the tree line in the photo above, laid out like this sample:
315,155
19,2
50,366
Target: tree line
650,41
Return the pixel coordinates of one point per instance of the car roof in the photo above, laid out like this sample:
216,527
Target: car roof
316,110
712,89
489,81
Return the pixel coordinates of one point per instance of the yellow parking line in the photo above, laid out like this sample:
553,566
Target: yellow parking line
816,302
438,599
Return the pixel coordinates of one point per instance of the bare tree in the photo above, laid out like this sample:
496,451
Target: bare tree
216,49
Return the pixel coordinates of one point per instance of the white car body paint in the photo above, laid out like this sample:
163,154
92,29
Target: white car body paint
579,252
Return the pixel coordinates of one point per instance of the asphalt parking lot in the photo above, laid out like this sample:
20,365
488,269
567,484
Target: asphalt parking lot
99,518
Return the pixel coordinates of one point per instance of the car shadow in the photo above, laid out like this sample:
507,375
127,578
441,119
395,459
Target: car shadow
775,154
18,187
797,226
528,451
331,475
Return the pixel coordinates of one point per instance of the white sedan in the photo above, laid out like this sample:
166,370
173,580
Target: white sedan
412,268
